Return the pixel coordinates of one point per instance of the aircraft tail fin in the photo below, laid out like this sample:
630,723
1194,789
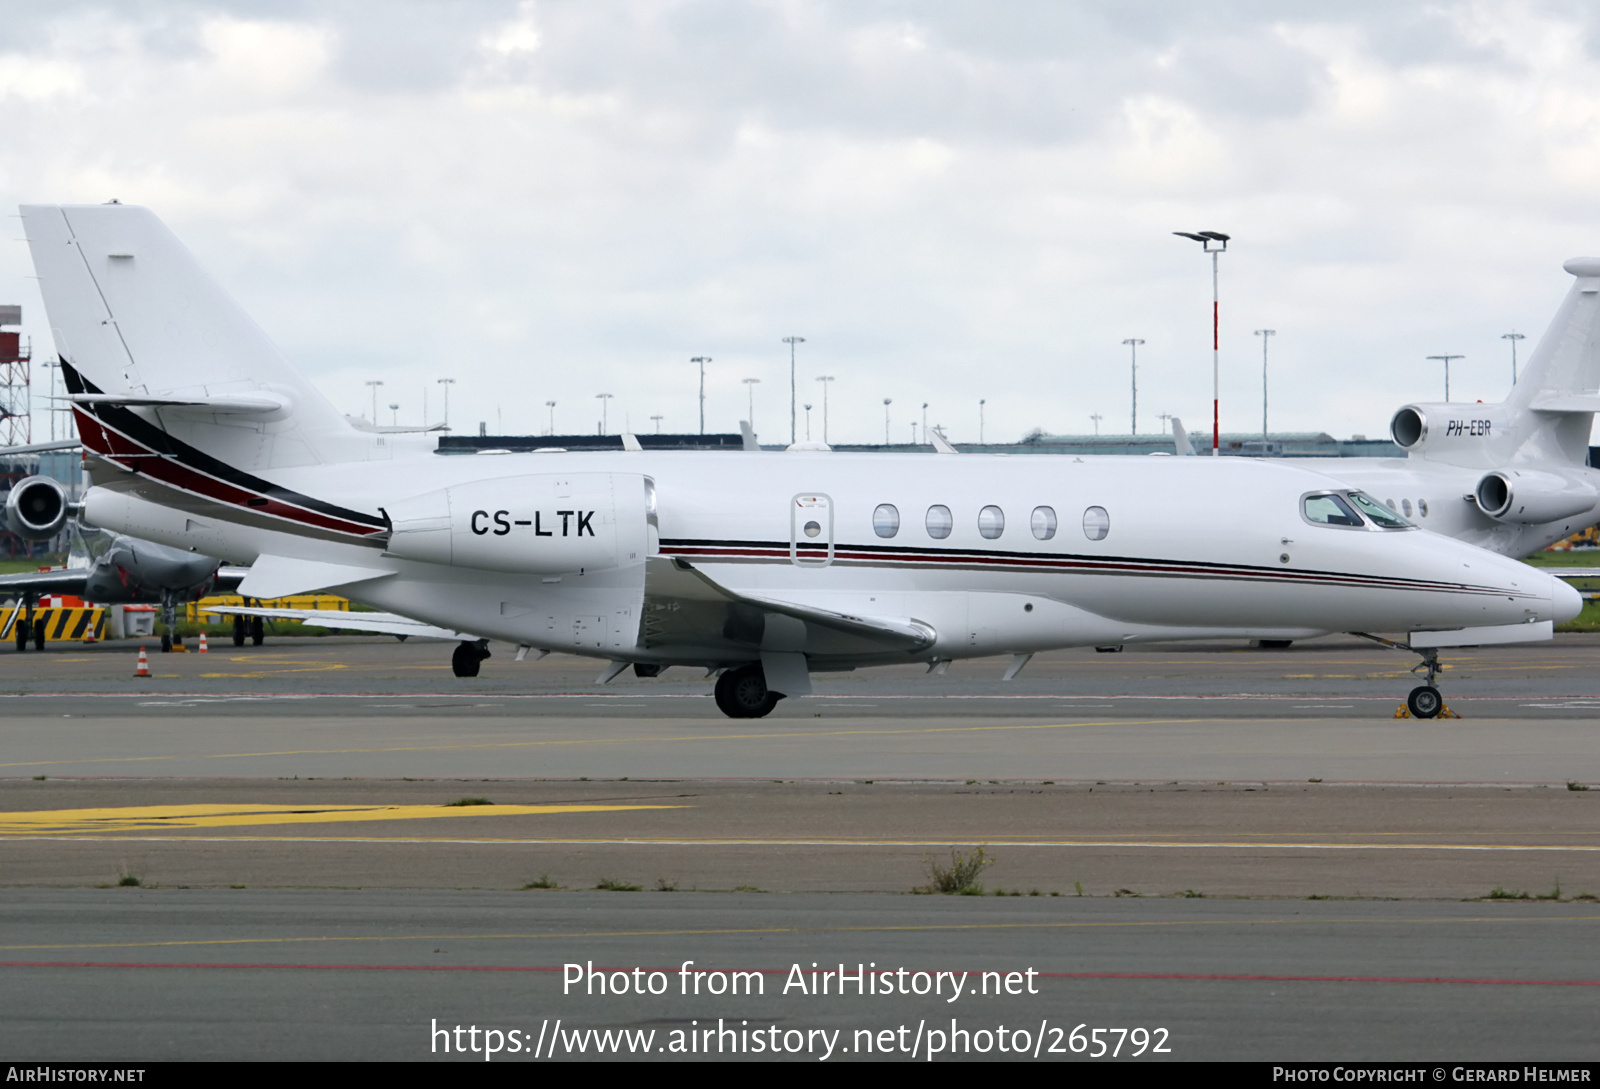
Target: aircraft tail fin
149,332
1180,439
1551,408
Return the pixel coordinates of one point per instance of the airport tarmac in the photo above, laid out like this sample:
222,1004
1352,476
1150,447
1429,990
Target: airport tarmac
265,796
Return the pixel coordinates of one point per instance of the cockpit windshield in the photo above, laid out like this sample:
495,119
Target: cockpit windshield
1346,509
1330,509
1381,516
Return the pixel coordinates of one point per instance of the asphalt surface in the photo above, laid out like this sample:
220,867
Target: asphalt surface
1242,847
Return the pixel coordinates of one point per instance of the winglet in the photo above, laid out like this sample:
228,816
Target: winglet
749,435
941,445
630,441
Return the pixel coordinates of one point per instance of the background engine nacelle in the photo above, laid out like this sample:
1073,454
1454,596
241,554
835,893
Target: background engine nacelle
37,508
1533,496
539,524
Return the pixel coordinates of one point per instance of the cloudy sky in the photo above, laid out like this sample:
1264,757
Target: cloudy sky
949,200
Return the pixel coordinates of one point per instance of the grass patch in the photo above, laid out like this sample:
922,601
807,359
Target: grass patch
960,878
1577,786
663,885
545,882
1498,893
470,801
1190,894
128,880
611,885
747,888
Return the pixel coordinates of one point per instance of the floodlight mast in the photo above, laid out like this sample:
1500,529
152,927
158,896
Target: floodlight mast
1213,242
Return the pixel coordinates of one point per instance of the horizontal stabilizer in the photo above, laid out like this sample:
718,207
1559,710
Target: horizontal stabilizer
941,445
1566,402
1492,635
256,404
381,623
279,576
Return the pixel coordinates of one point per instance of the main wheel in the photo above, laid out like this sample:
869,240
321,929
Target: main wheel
22,634
1424,701
466,659
240,630
166,642
258,631
38,635
743,693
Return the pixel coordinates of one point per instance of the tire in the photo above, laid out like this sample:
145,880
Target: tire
646,669
166,642
240,629
258,631
466,660
743,693
23,631
38,635
1424,701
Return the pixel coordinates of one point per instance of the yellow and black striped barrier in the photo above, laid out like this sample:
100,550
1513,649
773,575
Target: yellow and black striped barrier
60,622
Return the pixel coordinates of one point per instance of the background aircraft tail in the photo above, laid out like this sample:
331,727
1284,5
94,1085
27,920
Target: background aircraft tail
146,331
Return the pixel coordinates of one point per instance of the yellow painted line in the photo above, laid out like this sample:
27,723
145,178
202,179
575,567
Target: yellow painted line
775,735
145,818
709,932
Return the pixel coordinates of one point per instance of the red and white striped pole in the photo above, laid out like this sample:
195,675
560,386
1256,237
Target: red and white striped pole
1214,242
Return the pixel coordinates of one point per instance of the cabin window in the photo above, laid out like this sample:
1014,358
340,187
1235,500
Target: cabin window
1422,507
991,522
1043,522
939,522
811,529
1405,507
1096,523
1380,515
886,520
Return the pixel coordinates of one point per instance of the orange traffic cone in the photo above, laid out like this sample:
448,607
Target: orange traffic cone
144,665
203,649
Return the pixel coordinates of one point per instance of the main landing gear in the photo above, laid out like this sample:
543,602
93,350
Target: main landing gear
468,656
742,692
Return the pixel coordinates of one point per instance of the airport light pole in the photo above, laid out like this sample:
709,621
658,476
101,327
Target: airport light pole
924,421
825,379
1513,338
1096,417
1264,334
374,384
446,383
887,401
551,405
1213,242
793,397
394,418
808,423
603,398
1447,359
1163,417
750,385
981,403
702,360
657,419
1133,346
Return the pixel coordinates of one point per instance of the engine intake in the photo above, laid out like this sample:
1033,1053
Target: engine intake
37,508
1533,496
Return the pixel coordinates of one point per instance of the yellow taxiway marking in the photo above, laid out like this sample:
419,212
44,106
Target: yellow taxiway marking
146,818
776,735
885,928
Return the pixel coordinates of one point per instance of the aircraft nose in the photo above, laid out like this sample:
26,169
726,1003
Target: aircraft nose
1565,602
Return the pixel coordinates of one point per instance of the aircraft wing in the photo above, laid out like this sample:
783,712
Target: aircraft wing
687,582
1572,572
72,580
382,623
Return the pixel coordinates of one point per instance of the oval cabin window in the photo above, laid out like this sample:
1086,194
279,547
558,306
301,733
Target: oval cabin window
1044,522
1096,523
886,520
991,522
940,523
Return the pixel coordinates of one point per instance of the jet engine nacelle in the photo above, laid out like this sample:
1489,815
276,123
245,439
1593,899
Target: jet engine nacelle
37,509
1447,425
1533,495
541,524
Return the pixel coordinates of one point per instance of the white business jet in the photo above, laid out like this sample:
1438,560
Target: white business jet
763,567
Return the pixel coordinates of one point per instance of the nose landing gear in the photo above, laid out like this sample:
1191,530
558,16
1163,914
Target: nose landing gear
1425,700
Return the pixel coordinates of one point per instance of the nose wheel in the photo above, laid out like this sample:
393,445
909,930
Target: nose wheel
1425,700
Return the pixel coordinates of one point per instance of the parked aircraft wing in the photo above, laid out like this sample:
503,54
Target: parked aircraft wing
71,580
41,447
258,403
1180,439
897,633
382,623
1573,572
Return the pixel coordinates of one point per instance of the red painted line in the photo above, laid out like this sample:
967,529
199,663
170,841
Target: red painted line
1223,977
